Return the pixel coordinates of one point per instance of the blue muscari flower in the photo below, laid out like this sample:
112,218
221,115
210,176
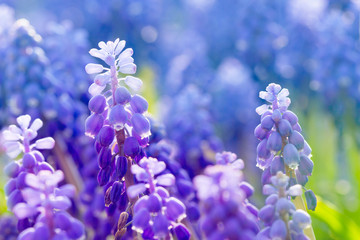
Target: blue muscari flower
279,215
155,213
47,203
281,142
32,188
224,203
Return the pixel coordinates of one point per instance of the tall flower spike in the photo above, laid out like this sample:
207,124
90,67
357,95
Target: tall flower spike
47,203
118,122
156,214
282,146
32,192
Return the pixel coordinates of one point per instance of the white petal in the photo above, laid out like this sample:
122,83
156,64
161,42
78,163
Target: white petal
45,143
268,189
133,82
124,61
263,108
134,190
102,45
30,134
15,129
119,47
22,210
166,180
24,121
10,136
36,125
97,53
295,190
125,54
93,68
95,89
102,79
129,68
13,149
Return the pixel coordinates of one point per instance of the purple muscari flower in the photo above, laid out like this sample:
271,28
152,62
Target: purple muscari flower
281,142
156,212
117,122
47,203
117,119
279,214
224,204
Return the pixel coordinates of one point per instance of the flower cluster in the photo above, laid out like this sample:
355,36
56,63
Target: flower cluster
116,114
32,189
46,203
223,205
279,215
282,146
156,214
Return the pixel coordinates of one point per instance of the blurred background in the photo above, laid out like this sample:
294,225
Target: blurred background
203,63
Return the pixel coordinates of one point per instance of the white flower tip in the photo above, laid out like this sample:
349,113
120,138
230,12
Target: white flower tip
93,68
24,121
45,143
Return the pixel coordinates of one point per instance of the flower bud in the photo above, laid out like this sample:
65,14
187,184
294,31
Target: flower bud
278,230
29,161
276,115
107,199
262,151
175,210
301,179
305,166
93,124
97,104
302,219
20,181
284,128
311,200
181,232
131,147
291,156
141,125
277,165
291,117
122,95
267,123
104,158
297,139
104,175
139,104
121,166
267,213
14,198
10,186
141,220
45,166
12,169
106,136
272,199
120,233
260,132
154,203
118,117
116,191
161,226
247,189
284,206
274,142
